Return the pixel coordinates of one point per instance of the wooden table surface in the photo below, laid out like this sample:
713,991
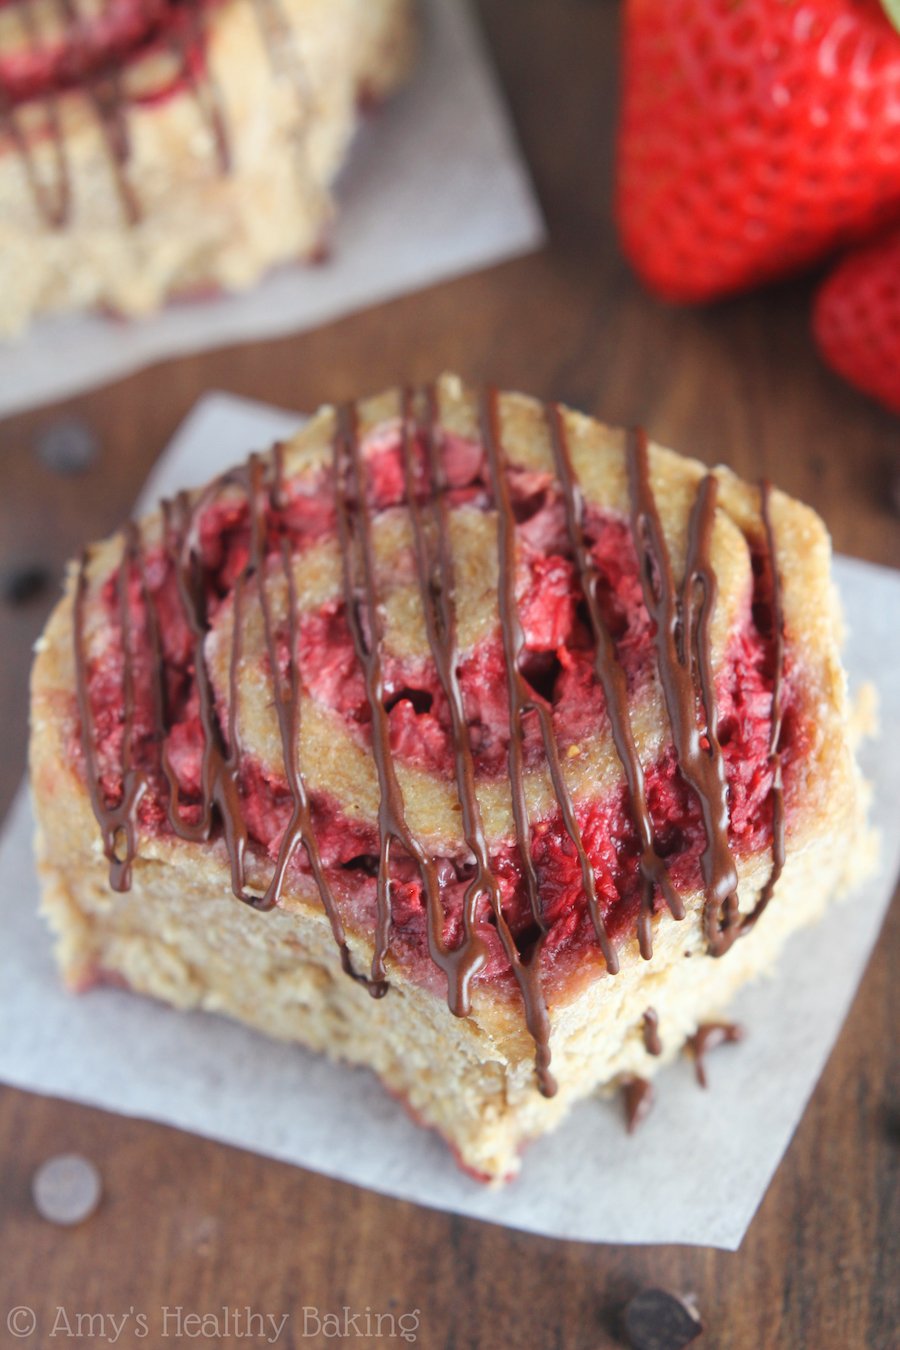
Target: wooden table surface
190,1223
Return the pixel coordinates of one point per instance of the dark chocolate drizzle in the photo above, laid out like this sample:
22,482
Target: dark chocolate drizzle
708,1036
189,49
615,689
51,201
284,54
684,658
109,104
682,622
361,597
434,558
652,1043
287,695
779,849
637,1095
523,700
118,823
220,766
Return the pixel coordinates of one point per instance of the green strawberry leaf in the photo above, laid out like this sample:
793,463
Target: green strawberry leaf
892,10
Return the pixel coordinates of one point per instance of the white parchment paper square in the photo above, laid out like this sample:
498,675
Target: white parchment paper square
436,186
590,1180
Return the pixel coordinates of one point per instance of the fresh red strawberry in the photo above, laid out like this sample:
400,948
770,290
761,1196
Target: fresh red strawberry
755,137
856,319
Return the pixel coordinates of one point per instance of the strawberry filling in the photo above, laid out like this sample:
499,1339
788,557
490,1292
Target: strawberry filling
557,661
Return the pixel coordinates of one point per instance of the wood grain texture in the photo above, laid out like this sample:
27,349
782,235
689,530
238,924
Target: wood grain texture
185,1222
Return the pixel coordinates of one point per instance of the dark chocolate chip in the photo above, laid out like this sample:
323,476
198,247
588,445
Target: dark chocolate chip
68,446
658,1320
637,1095
20,584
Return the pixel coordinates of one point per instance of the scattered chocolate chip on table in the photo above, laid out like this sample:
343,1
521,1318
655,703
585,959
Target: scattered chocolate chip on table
23,582
67,446
66,1189
657,1320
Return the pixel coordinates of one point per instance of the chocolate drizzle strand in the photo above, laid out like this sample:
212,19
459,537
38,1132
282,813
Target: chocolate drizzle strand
637,1096
188,45
777,641
220,765
615,689
652,1043
118,822
434,562
681,618
52,200
361,598
708,1037
287,696
522,699
106,96
684,657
